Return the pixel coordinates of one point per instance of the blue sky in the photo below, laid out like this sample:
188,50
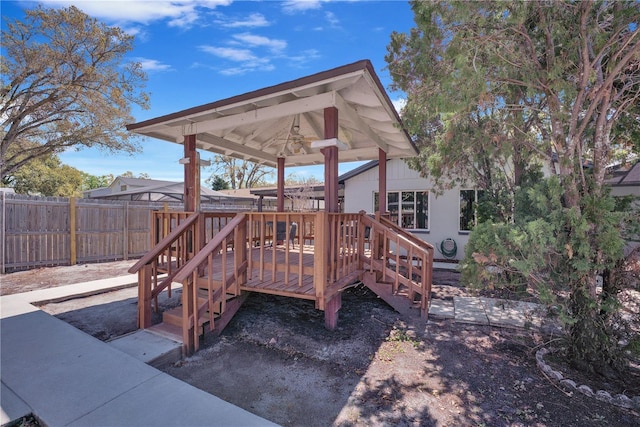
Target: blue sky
196,52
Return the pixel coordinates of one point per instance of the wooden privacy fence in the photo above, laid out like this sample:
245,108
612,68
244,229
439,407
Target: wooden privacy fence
50,231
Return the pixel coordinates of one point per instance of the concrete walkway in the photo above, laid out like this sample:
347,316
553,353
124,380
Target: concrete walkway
68,378
489,311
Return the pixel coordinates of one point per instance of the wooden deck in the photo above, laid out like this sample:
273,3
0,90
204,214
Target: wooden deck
272,277
267,271
219,269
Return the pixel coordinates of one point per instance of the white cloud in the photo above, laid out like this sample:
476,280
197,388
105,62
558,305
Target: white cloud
332,19
178,13
294,6
229,53
152,64
274,45
254,20
305,57
255,54
247,68
247,61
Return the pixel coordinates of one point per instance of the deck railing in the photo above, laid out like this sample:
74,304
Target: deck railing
216,255
280,229
401,258
203,274
176,240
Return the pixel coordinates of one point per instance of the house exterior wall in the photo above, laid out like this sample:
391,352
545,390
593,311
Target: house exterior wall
627,190
443,209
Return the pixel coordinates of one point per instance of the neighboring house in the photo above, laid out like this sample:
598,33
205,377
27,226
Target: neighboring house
139,189
444,220
122,185
626,182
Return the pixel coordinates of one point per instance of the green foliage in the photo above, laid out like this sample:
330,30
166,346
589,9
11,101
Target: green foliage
91,182
555,251
48,177
218,183
65,84
495,90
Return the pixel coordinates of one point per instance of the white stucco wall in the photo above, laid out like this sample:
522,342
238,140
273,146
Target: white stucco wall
443,209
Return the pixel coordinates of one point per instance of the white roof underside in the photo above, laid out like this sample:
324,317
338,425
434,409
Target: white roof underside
259,126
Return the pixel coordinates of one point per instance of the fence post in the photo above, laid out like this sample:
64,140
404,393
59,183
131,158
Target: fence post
125,232
72,231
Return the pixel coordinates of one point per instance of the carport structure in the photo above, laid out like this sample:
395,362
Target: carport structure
343,114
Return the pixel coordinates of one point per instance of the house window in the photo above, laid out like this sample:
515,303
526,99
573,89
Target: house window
408,209
469,208
123,188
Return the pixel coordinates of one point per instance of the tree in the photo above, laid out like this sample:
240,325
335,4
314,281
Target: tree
65,84
218,183
301,192
239,173
91,182
129,174
557,79
47,176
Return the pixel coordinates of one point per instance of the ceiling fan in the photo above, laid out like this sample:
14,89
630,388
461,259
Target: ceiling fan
296,142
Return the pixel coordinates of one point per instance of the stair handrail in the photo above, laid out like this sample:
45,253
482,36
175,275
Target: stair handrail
404,233
191,310
163,244
410,238
210,247
382,225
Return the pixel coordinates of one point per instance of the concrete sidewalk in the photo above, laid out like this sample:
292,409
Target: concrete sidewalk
491,311
68,378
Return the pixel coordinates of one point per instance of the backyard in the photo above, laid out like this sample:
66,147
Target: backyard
277,360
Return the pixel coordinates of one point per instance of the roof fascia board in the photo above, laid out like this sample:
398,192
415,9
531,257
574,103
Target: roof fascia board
346,71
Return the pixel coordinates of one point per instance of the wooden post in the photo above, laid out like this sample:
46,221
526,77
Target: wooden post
330,161
320,260
280,190
72,232
331,311
191,175
240,254
331,204
144,297
382,181
188,342
361,238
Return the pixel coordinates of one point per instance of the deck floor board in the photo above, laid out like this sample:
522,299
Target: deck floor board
269,283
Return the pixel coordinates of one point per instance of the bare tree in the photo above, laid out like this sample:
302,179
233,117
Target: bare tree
239,173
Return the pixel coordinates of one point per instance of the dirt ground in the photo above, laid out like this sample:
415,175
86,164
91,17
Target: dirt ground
277,360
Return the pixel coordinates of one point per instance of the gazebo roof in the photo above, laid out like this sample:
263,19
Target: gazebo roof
285,120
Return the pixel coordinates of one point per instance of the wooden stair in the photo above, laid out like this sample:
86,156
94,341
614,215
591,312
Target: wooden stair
167,330
400,301
171,326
